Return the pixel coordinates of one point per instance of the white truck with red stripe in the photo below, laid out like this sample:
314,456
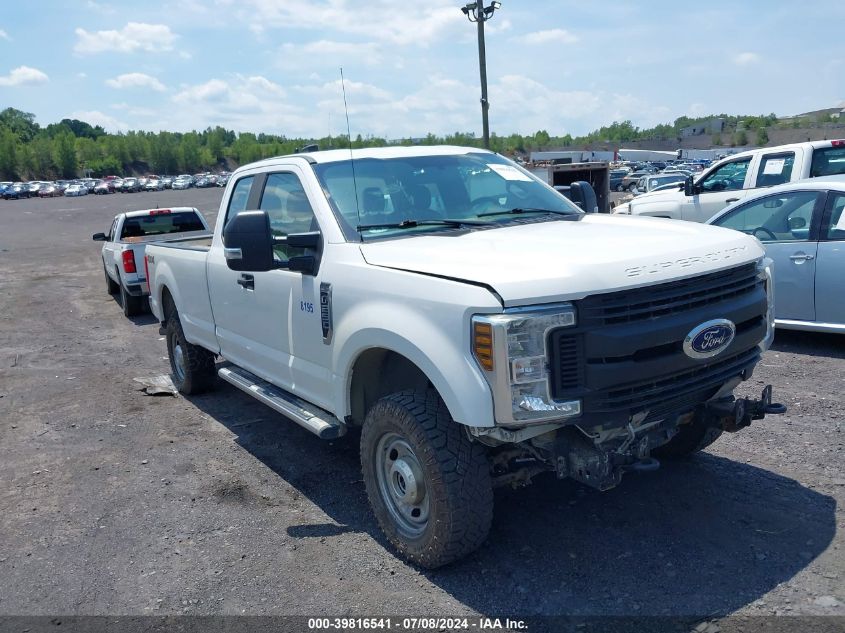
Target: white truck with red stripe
128,236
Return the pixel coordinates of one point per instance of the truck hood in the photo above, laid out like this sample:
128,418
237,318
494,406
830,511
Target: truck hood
565,260
667,195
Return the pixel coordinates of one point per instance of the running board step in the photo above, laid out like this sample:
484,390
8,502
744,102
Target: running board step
321,423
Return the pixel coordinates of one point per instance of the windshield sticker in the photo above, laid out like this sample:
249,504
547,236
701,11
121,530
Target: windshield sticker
508,172
774,167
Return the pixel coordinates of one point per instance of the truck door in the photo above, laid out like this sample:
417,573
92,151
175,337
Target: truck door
830,298
787,225
717,189
109,248
259,315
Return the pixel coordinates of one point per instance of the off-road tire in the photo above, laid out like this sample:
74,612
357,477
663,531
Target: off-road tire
690,438
111,286
198,373
456,472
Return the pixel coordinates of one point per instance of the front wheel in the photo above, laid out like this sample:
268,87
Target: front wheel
428,484
690,438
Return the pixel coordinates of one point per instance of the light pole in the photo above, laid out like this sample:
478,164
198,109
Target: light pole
477,12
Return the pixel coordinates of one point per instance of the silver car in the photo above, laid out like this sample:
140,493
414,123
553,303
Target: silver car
802,227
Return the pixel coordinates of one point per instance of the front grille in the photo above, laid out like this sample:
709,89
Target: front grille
625,355
670,298
656,393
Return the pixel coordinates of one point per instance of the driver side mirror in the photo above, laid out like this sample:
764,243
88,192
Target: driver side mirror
797,223
248,242
99,237
689,187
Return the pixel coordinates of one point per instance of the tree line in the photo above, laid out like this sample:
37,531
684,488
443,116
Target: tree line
73,148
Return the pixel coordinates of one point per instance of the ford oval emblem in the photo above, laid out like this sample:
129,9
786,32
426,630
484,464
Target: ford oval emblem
709,339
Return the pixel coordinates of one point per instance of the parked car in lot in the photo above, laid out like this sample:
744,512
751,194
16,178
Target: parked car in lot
737,177
48,191
130,185
76,190
475,324
647,184
802,227
181,183
154,184
123,251
617,176
104,187
16,192
629,181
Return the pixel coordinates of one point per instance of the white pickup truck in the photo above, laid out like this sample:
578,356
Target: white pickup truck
731,179
476,325
123,251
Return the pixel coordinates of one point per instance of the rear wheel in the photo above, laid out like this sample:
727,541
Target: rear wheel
428,484
192,366
132,306
111,286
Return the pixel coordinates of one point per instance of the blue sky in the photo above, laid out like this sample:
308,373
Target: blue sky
412,67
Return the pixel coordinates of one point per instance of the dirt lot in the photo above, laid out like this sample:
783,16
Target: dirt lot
114,502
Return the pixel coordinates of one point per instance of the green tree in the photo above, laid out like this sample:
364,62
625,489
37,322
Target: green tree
741,138
21,124
64,154
8,155
762,136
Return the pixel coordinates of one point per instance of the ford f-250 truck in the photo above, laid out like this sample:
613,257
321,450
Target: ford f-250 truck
731,179
476,325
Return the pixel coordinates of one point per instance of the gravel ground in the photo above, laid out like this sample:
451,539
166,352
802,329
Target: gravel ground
114,502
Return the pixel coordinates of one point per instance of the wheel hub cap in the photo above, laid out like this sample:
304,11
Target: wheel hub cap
402,484
179,361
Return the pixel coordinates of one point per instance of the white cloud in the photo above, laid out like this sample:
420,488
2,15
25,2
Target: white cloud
95,117
135,36
136,80
549,36
24,76
4,35
746,59
332,53
382,20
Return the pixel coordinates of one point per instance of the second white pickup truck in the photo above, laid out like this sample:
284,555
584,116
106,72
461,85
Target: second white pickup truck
733,178
476,325
128,236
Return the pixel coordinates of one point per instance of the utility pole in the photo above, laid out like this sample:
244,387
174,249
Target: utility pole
477,12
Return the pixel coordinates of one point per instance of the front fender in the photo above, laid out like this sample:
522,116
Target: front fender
439,352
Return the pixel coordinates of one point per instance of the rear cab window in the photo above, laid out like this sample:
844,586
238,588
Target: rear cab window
161,223
828,161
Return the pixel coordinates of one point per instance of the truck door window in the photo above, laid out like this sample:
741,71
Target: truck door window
289,210
775,169
728,177
784,217
240,195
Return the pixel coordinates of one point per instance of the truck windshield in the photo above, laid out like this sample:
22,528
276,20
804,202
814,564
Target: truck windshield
161,224
406,195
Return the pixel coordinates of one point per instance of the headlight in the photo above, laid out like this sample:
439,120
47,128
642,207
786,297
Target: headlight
511,349
766,273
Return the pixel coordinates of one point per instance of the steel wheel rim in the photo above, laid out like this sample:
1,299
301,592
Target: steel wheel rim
179,362
402,485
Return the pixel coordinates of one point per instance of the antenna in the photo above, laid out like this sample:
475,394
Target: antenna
351,156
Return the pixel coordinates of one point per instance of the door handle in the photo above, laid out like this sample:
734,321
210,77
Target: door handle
732,200
247,282
801,258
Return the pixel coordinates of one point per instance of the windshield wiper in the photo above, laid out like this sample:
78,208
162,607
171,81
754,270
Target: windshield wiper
519,210
409,224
